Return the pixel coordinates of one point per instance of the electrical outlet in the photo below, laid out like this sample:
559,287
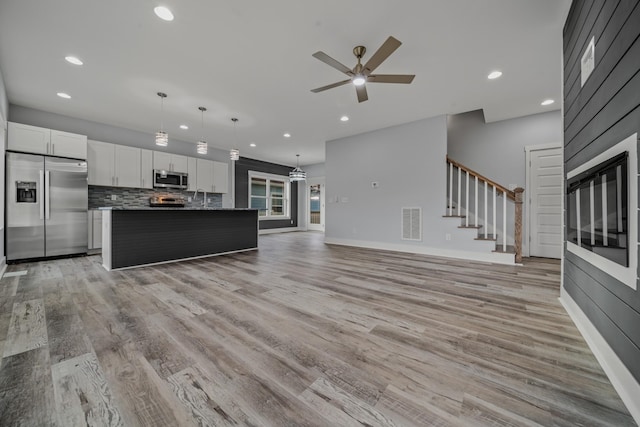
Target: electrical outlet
189,199
114,197
447,236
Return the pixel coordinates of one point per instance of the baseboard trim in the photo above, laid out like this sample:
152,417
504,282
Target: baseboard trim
279,230
491,257
622,380
3,266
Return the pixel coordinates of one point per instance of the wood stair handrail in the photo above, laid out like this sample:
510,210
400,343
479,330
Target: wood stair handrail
510,193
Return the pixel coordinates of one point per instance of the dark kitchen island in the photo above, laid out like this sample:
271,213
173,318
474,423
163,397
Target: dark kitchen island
142,236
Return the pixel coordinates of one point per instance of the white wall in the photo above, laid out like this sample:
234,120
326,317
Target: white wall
408,162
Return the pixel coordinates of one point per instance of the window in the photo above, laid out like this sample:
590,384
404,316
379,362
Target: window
597,210
270,195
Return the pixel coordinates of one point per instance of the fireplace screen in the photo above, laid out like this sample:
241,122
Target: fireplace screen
597,210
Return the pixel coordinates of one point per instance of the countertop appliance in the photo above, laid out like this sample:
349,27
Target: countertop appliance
168,179
166,201
46,205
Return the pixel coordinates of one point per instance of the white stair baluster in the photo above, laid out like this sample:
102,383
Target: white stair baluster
476,209
486,215
495,230
459,189
450,189
504,221
466,206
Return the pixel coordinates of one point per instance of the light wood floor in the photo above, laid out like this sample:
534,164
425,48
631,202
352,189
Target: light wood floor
298,333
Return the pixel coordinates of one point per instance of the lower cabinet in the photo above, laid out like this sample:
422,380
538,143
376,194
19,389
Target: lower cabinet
95,230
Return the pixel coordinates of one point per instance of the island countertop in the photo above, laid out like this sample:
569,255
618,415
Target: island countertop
169,208
151,235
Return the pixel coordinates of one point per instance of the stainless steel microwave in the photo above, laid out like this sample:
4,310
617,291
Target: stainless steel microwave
169,179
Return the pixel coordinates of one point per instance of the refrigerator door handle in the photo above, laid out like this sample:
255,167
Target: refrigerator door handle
41,203
47,179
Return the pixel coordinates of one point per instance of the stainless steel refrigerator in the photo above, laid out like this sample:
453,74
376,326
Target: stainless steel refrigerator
46,206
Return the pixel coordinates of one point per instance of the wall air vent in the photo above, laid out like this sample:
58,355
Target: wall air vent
412,224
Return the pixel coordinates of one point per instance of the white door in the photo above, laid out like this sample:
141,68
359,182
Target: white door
315,205
204,175
220,177
545,202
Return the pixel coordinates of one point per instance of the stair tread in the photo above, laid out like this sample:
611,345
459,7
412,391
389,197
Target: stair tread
486,238
510,249
454,216
477,227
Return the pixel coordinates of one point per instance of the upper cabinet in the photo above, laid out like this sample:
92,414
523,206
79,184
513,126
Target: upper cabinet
113,165
170,162
192,170
212,176
33,139
220,177
146,168
65,144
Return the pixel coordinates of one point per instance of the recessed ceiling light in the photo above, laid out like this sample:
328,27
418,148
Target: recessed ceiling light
344,118
547,102
64,95
252,145
184,127
163,13
494,75
287,135
73,60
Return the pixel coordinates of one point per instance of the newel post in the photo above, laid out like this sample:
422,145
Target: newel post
517,234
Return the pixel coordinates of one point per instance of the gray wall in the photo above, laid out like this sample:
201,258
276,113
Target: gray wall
496,150
408,162
242,168
597,116
115,135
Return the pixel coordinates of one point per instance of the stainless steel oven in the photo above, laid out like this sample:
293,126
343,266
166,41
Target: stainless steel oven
168,179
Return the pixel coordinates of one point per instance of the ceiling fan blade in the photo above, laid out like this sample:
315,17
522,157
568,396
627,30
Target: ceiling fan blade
387,48
331,86
332,62
390,78
362,93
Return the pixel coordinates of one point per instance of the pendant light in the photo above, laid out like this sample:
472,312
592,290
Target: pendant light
297,174
202,145
162,138
234,154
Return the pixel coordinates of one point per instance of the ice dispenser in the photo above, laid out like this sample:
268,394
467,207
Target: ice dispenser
25,192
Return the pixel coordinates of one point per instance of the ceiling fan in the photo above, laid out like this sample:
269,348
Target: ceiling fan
361,74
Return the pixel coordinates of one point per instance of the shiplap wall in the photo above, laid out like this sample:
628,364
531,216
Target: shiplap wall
597,116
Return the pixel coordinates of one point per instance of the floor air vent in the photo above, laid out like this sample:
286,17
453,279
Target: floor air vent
412,224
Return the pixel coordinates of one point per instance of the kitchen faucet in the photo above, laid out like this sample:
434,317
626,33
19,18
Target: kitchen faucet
204,200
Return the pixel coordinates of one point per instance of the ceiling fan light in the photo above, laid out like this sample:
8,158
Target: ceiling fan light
234,154
201,147
359,80
162,138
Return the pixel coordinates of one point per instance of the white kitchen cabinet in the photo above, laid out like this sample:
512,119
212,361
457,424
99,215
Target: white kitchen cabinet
94,225
101,163
220,177
30,139
127,166
170,162
212,176
146,168
65,144
204,177
113,165
192,168
34,139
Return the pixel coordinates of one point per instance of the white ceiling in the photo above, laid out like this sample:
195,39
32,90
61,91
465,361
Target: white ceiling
251,59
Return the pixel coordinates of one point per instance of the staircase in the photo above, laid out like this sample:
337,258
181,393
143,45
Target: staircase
484,208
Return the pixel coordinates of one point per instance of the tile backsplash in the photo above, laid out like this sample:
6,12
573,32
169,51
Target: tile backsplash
100,197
